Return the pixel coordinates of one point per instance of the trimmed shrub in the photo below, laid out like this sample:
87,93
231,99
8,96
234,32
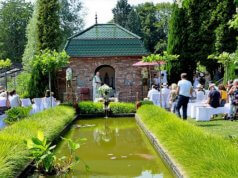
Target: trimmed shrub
16,114
197,152
122,108
13,152
146,102
89,107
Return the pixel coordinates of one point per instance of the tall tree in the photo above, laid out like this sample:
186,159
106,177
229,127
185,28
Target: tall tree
32,39
14,17
71,18
154,22
71,21
48,25
133,23
198,29
121,12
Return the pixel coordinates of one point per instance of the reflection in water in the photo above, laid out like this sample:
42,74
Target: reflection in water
114,148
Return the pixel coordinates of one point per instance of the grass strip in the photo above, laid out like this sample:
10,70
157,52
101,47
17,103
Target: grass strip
199,153
13,153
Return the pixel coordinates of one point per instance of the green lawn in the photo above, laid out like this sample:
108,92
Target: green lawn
198,152
224,128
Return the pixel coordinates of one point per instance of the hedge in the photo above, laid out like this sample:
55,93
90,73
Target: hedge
89,107
14,155
122,108
199,153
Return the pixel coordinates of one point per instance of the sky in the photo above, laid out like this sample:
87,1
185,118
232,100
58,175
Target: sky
103,8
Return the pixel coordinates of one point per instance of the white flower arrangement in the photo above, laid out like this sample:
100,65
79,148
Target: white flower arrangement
104,90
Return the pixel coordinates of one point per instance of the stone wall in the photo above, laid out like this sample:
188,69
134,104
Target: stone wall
127,78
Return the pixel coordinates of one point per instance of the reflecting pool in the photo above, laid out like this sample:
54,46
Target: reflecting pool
115,147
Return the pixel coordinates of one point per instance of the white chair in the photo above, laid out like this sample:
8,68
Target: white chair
194,107
26,102
205,113
37,106
155,98
200,96
3,101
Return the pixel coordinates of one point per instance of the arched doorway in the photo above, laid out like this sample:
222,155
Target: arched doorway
107,75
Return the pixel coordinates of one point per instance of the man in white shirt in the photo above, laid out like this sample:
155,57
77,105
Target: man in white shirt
184,91
152,91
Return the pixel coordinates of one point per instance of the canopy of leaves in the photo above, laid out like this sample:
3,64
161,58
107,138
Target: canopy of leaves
46,61
50,61
14,17
198,29
154,22
48,25
5,63
121,12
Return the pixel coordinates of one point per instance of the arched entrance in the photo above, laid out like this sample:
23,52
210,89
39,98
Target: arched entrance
107,75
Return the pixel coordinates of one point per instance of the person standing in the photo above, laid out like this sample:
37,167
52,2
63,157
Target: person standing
96,84
184,92
173,97
214,96
165,92
234,99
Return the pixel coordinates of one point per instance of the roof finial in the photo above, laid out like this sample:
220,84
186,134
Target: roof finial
96,18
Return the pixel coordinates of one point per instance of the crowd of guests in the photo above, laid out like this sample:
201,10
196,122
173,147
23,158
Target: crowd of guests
11,99
177,96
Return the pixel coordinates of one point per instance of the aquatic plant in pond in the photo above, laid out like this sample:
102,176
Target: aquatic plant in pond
44,158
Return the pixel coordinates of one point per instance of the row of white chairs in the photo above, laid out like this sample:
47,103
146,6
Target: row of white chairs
39,104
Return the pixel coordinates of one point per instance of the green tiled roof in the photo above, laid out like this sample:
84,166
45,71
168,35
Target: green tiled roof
102,40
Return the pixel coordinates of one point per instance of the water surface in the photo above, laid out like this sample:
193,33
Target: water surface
115,147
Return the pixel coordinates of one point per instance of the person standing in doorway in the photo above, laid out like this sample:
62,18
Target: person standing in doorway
184,92
96,84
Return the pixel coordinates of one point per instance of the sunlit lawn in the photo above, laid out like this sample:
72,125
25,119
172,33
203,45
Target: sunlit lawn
224,128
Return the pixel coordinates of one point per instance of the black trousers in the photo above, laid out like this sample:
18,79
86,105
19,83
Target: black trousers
182,102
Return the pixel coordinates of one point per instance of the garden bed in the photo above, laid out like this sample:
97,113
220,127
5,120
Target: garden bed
14,156
196,152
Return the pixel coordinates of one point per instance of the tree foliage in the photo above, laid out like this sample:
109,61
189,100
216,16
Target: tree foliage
43,63
14,17
32,39
71,21
121,12
198,29
133,23
71,18
154,22
5,63
48,25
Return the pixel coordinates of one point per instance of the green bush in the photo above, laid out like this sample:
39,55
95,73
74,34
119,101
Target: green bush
16,114
13,152
146,102
89,107
197,152
20,84
122,108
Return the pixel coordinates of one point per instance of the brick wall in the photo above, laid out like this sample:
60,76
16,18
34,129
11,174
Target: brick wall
84,70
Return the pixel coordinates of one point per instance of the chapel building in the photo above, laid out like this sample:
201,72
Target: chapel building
111,50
